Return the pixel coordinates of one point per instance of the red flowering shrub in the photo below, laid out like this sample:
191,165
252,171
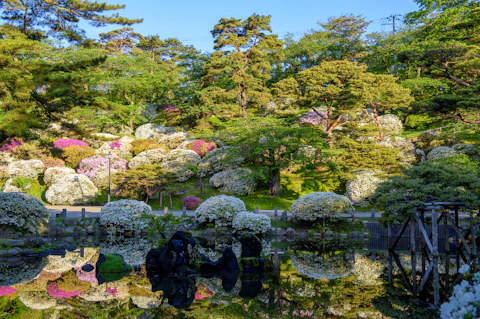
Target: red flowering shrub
64,143
201,147
10,144
191,202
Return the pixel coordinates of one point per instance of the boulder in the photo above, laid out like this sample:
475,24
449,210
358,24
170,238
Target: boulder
72,189
172,140
152,131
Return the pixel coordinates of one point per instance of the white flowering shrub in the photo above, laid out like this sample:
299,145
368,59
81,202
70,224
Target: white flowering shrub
391,124
126,214
362,186
133,250
220,210
37,300
121,148
317,205
29,168
406,150
151,131
53,173
464,302
368,272
251,223
307,151
96,293
468,149
440,152
178,162
220,159
185,145
240,181
155,156
324,266
146,302
72,259
72,189
22,211
172,140
420,155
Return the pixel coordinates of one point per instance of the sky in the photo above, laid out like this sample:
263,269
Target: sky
191,21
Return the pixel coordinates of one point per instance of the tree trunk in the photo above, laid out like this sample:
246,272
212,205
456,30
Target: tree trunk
419,71
274,185
377,121
243,102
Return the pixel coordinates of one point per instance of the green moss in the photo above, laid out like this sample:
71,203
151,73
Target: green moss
114,264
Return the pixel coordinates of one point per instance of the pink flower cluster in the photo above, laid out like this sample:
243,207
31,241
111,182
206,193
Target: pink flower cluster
64,143
202,292
6,290
86,276
90,166
171,109
201,147
191,202
314,119
115,144
10,144
112,291
55,292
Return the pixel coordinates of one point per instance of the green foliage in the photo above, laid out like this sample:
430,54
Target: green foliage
140,183
21,182
141,145
114,264
72,155
456,178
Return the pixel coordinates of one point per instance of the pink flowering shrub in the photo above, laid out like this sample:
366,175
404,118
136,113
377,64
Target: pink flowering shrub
6,290
64,143
191,202
201,147
314,119
89,277
202,292
91,165
171,109
115,144
10,144
112,291
54,291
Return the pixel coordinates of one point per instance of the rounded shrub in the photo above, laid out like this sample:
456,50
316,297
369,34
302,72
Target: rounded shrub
125,214
145,144
191,202
201,147
10,144
64,143
96,168
314,206
240,181
251,223
22,211
73,155
52,162
220,210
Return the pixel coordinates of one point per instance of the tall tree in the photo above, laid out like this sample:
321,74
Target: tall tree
238,70
120,40
60,17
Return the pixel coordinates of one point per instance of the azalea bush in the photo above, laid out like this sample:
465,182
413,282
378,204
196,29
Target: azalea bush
73,155
220,159
97,168
240,181
10,145
251,223
179,162
64,143
125,214
53,173
464,302
312,118
191,202
22,211
315,206
201,147
220,210
52,162
441,152
28,168
323,266
148,157
362,186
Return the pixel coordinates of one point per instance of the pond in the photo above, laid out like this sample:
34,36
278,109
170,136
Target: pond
339,278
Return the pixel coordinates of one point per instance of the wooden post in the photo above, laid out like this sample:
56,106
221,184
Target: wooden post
474,255
64,213
171,203
390,266
436,281
284,215
372,213
423,241
434,234
83,213
161,200
275,212
389,234
257,210
184,211
82,252
413,255
165,211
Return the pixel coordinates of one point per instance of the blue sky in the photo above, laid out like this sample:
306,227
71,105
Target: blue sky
192,20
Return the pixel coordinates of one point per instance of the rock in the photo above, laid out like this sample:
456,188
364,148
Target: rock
71,221
251,246
3,253
281,232
69,230
152,131
14,252
29,252
14,243
72,189
328,233
291,232
33,242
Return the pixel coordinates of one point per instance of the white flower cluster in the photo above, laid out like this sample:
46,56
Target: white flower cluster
8,187
362,186
133,250
468,149
97,293
440,152
220,159
23,211
240,181
251,223
72,259
145,302
172,140
53,173
317,205
124,151
72,189
155,156
11,274
151,131
5,160
220,210
126,214
30,168
322,266
391,124
368,272
178,162
406,150
463,303
215,252
37,300
307,151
